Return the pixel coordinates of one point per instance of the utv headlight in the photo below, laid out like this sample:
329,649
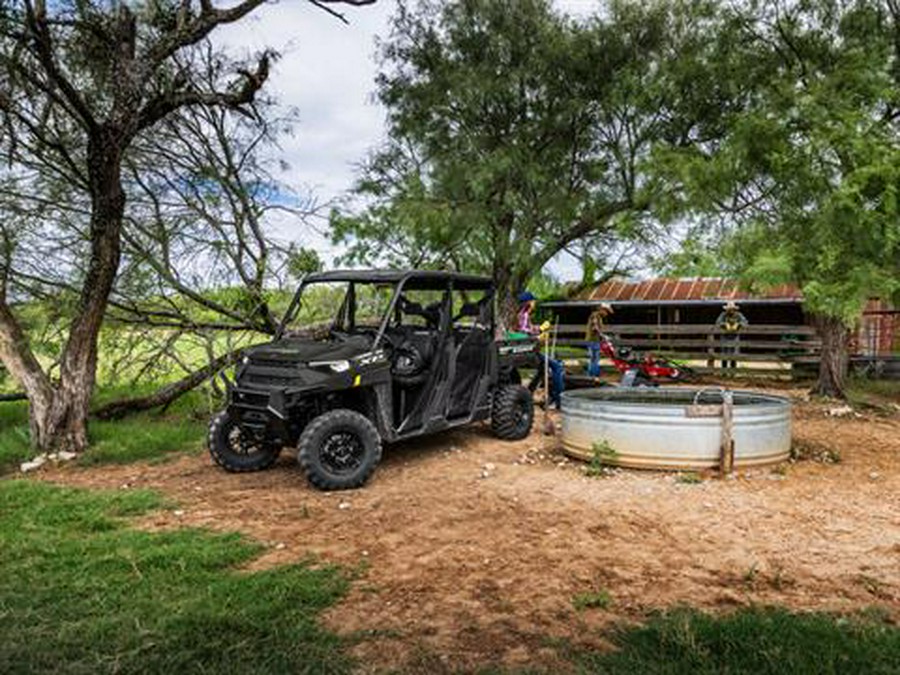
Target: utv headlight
336,366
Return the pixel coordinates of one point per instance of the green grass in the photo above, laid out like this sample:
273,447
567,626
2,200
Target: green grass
881,395
82,592
14,446
603,455
688,478
755,641
143,436
598,599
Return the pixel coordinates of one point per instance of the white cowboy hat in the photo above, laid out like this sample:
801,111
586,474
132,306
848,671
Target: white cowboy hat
606,306
731,304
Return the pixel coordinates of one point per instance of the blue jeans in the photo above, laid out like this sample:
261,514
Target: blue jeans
557,379
593,368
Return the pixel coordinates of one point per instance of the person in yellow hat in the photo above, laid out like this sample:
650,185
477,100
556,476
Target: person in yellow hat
731,321
527,304
596,325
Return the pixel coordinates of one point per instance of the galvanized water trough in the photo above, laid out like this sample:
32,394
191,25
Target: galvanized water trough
676,428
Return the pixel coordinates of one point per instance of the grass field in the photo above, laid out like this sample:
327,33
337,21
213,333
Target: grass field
764,641
149,435
83,592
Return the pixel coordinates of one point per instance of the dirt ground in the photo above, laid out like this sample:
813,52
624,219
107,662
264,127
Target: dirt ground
470,551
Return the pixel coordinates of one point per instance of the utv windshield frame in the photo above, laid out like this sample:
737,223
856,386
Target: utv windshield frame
399,279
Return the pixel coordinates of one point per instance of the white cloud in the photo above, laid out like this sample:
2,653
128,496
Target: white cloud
327,71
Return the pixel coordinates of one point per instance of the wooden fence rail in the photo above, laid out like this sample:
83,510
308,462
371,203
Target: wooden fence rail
762,347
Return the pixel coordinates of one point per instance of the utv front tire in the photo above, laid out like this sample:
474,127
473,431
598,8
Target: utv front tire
234,451
339,450
512,413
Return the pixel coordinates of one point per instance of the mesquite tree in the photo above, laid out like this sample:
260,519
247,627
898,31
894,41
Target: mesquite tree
79,83
808,173
515,133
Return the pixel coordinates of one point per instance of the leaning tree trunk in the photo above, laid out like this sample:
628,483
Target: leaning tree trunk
58,417
835,357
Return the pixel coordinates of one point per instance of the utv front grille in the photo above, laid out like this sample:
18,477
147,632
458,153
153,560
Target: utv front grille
271,363
270,380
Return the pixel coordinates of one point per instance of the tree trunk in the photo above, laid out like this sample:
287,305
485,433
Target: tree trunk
58,417
835,358
56,422
507,304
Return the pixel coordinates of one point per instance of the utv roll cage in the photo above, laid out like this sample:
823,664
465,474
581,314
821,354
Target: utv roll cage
401,280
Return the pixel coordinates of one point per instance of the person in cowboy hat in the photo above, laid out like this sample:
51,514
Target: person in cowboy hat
593,334
527,303
731,322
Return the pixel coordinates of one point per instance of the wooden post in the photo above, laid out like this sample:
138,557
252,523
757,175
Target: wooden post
726,460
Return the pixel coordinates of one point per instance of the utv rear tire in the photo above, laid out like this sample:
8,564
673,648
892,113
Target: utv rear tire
512,413
233,452
339,450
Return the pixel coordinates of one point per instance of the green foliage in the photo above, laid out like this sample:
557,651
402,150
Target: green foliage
603,455
598,599
689,478
757,641
808,168
302,261
515,133
81,592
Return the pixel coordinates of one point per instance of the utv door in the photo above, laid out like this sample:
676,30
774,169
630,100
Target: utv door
472,351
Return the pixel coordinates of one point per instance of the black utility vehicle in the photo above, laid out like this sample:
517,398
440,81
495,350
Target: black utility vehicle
369,356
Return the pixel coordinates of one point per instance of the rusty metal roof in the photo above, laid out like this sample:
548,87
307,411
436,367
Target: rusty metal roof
691,289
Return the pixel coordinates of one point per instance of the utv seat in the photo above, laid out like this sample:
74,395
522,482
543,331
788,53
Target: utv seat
413,351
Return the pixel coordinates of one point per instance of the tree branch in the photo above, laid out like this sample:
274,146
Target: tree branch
167,394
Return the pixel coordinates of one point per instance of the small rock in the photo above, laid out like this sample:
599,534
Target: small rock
365,553
343,506
840,411
874,475
35,463
707,505
64,456
489,467
178,513
485,474
280,546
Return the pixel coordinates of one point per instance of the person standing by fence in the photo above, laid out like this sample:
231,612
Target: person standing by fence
731,322
596,326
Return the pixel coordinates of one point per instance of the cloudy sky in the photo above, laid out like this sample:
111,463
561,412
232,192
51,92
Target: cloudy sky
327,72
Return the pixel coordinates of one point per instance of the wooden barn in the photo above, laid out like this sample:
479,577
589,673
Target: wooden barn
677,317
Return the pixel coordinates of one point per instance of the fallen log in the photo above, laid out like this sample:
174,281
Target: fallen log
15,396
166,395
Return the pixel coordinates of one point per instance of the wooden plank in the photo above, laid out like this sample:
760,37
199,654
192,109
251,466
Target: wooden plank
716,355
690,329
726,463
650,344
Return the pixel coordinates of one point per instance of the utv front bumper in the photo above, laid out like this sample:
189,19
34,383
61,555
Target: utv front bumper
261,413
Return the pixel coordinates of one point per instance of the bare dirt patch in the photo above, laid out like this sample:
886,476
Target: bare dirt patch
473,550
